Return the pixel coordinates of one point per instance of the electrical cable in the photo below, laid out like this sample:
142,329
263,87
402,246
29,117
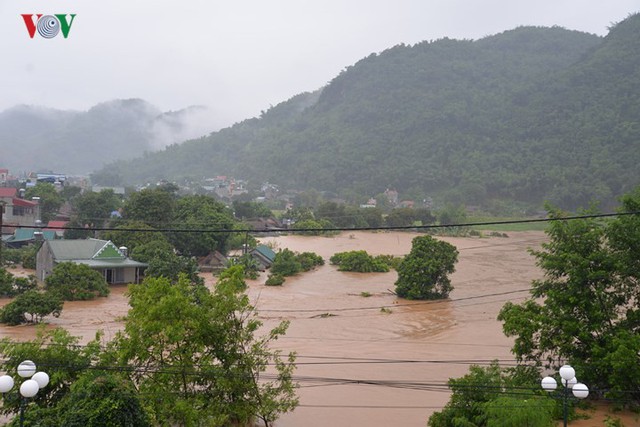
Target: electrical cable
339,229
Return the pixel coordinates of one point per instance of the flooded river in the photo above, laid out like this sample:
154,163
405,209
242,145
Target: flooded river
368,360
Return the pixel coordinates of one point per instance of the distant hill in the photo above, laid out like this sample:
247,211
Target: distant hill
35,138
528,115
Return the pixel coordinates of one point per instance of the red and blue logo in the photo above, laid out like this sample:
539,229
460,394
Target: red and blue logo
48,26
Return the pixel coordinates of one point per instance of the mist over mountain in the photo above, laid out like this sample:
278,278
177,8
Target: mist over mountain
34,138
529,115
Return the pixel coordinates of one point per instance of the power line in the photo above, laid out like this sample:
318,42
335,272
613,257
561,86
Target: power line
343,309
339,229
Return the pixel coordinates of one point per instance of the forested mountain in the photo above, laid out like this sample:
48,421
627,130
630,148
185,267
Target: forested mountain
530,114
36,138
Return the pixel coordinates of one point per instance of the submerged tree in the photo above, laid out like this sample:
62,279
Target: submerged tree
423,274
203,364
33,303
73,282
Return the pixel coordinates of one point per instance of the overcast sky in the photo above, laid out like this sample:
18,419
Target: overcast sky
238,57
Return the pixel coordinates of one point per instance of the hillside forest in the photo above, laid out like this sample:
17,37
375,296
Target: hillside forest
529,115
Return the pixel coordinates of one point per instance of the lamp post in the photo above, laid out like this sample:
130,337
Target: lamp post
34,381
569,382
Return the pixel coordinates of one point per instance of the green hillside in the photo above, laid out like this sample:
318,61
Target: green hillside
531,114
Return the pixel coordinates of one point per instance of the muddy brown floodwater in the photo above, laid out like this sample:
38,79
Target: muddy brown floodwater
345,342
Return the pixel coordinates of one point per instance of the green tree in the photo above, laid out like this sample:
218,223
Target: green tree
585,309
372,216
95,208
31,303
313,227
29,254
401,217
423,274
203,363
495,397
198,213
286,263
275,280
50,201
102,399
335,213
151,206
76,282
78,230
358,261
250,265
6,283
452,215
309,260
124,235
250,210
508,411
164,262
239,240
56,352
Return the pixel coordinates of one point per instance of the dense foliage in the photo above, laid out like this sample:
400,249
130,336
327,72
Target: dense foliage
62,358
161,208
586,308
198,213
187,356
424,272
100,399
203,363
493,397
11,285
33,303
49,200
528,115
289,263
94,208
359,261
164,262
73,281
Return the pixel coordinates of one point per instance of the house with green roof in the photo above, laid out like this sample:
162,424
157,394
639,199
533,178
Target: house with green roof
100,255
24,236
264,255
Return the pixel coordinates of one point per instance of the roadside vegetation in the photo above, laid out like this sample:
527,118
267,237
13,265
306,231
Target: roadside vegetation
583,312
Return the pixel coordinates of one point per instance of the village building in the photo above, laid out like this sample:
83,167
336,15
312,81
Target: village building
101,255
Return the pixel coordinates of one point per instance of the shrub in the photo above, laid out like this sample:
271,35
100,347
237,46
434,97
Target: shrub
76,282
33,303
309,260
358,261
11,286
286,263
275,280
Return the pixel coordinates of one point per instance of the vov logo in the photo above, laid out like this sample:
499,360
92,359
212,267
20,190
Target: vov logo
48,26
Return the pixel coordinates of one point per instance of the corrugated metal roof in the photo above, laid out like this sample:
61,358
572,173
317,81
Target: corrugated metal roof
266,252
26,234
67,250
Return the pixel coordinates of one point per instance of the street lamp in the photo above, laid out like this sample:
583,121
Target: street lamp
29,387
569,381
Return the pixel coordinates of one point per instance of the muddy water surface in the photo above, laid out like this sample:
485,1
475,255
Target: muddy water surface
359,365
